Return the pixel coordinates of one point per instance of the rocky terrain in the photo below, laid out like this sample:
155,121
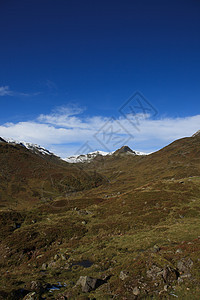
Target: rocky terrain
121,227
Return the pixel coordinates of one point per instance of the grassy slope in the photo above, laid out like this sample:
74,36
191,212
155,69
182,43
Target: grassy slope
27,178
145,201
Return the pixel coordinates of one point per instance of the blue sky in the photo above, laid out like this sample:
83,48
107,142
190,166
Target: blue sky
67,67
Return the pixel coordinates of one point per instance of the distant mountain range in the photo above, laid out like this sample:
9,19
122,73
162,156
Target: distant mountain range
81,158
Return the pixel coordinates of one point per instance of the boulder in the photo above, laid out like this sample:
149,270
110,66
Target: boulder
89,284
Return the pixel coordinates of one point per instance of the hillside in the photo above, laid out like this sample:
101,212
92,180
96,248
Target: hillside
27,177
134,236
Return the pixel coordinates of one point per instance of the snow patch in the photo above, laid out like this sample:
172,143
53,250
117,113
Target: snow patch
30,146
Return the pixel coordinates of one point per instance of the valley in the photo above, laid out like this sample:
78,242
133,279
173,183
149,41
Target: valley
121,226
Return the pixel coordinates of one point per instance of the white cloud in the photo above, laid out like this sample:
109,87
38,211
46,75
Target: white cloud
5,91
65,131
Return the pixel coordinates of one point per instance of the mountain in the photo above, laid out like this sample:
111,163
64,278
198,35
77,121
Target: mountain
33,147
86,157
123,226
124,150
29,174
81,158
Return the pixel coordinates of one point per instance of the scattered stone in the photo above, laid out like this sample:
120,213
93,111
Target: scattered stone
56,257
167,273
180,280
156,248
170,274
61,297
156,284
89,284
123,275
154,272
63,257
31,296
37,286
165,288
184,265
44,266
179,251
52,264
136,291
186,276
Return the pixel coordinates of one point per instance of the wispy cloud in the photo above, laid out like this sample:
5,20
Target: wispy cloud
6,91
64,131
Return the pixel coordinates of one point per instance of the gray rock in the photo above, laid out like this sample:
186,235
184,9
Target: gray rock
63,257
89,284
123,275
154,272
136,291
169,274
156,248
56,257
52,264
165,288
36,286
179,251
61,297
44,266
184,265
31,296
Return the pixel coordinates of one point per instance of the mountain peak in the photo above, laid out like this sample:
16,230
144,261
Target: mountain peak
124,149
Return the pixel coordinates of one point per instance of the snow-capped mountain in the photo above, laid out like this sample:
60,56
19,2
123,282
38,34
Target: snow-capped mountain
33,147
125,150
86,157
83,158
